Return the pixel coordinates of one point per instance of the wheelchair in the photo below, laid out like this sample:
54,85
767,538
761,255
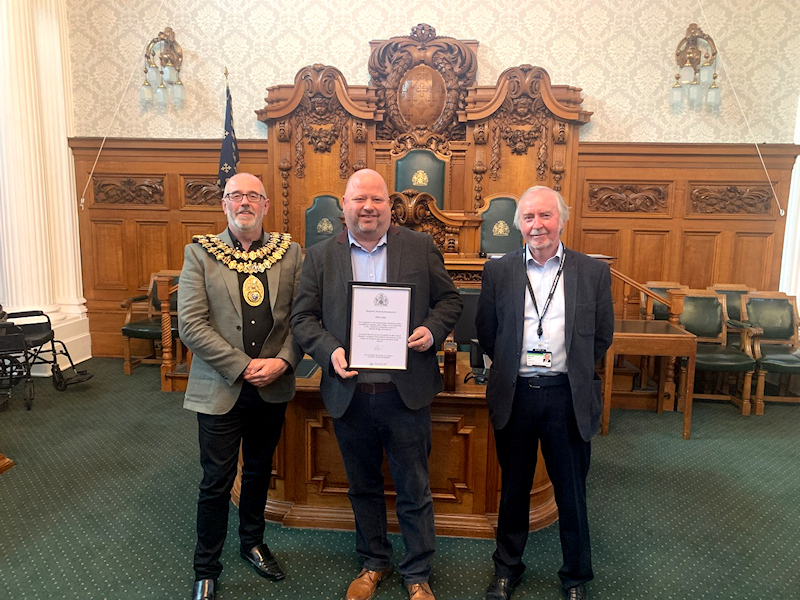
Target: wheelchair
24,345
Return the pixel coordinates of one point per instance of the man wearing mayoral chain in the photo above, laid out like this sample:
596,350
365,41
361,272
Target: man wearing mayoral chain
234,301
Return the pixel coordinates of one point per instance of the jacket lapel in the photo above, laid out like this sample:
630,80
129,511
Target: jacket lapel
394,253
273,281
342,258
230,277
570,288
518,291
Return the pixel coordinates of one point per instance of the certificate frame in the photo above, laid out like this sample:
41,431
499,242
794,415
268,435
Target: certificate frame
379,344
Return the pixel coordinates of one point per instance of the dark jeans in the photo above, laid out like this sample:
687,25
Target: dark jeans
374,423
257,426
546,415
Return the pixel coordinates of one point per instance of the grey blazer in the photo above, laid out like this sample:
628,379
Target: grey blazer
589,329
210,325
319,318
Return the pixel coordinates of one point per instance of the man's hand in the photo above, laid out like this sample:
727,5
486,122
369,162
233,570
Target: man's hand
263,371
339,363
421,339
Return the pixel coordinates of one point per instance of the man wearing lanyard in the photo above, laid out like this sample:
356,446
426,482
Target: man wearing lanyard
235,297
377,412
545,317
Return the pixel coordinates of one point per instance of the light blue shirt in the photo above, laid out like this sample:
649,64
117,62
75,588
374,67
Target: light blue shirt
553,325
368,266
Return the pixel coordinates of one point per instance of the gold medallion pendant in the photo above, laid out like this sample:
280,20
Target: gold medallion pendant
253,291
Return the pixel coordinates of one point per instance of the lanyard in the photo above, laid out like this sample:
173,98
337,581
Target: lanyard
539,329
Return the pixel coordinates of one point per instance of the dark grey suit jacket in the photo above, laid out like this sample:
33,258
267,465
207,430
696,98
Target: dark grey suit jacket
210,325
319,317
589,329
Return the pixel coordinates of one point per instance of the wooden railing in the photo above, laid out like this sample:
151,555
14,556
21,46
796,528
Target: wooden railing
674,301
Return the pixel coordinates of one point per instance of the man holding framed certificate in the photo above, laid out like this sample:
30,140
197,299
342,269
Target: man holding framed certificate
381,294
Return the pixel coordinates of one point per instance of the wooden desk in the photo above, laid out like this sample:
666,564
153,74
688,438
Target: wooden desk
309,485
651,338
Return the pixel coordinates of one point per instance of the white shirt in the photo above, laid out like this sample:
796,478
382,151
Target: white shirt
553,325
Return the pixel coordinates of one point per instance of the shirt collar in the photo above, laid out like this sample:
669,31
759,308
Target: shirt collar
353,242
238,245
556,257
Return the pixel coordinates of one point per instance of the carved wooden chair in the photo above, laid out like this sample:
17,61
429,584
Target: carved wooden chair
776,347
498,234
705,315
143,322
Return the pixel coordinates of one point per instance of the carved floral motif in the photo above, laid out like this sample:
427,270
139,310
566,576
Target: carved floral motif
412,209
127,190
730,200
202,192
628,197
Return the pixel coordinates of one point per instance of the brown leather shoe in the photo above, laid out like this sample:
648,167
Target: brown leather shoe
420,591
363,587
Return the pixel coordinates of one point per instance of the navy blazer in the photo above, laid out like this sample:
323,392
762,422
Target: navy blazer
319,317
589,329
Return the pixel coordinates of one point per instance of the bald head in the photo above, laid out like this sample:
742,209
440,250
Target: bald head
366,207
245,204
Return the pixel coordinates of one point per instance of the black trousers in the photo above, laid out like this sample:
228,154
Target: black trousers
543,415
372,424
257,426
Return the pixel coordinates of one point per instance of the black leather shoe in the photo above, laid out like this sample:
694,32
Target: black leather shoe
501,588
205,589
263,561
577,593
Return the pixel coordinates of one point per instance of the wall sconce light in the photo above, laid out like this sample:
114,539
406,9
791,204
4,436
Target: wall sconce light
163,58
696,81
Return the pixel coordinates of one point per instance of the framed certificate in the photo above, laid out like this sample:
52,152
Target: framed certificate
380,323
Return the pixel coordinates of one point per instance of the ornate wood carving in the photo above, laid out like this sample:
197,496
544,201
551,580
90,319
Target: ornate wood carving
523,120
729,199
628,198
413,209
428,141
466,276
320,120
421,83
202,192
478,171
128,190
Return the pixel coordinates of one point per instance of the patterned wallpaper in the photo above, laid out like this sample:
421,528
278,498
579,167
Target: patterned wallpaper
619,51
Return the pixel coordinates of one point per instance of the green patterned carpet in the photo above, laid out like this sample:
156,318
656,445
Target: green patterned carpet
101,504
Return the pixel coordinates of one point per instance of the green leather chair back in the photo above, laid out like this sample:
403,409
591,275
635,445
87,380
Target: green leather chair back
323,219
703,316
423,171
498,234
774,315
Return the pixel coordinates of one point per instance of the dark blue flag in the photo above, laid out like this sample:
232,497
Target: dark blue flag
229,154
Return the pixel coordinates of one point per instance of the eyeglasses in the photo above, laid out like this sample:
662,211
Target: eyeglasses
239,196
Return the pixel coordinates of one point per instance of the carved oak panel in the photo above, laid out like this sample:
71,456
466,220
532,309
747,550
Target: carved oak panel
730,199
608,197
125,190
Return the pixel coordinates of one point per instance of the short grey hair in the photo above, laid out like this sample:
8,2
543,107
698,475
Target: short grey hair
563,209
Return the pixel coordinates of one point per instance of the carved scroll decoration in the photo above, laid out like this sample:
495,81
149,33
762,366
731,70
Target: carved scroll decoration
478,171
411,209
628,197
284,166
448,69
522,122
127,190
731,200
320,120
427,141
466,276
202,192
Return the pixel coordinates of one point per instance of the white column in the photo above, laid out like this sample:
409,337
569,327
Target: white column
38,223
56,118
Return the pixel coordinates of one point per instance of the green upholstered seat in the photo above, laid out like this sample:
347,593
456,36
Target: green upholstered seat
423,171
323,219
498,234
